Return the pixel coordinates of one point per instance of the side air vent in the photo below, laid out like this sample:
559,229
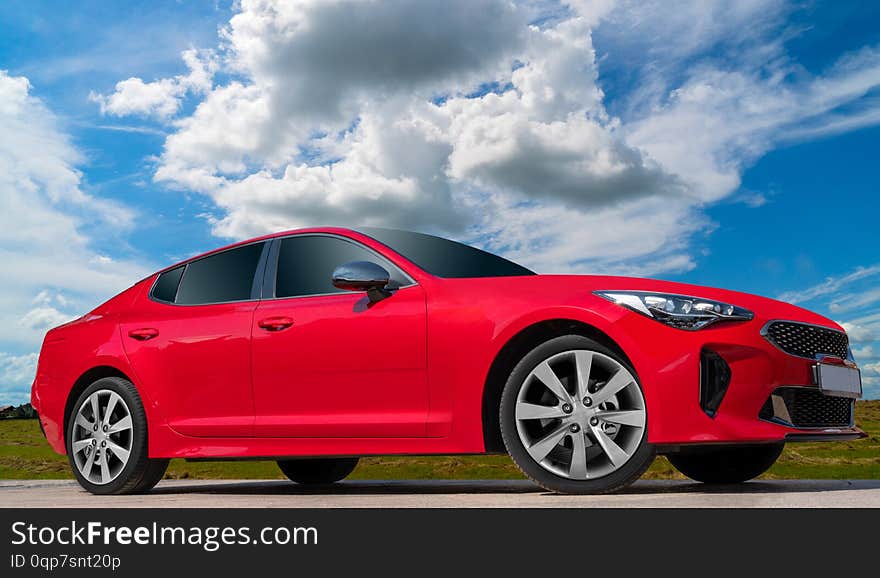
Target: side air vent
714,380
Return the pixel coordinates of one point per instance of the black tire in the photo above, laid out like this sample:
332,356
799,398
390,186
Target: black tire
640,460
153,475
140,472
727,465
317,470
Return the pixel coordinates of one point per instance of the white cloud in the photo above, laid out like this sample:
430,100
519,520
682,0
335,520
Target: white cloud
161,98
44,318
667,32
316,59
16,375
858,332
134,96
409,162
44,214
51,272
732,117
866,351
857,300
17,369
831,286
462,118
311,66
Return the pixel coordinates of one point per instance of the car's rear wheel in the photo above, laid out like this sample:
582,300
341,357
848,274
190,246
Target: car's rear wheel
107,440
728,465
574,419
317,470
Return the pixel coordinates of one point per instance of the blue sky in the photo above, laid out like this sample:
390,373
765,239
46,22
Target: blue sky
723,144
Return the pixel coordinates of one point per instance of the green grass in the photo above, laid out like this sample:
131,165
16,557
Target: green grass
24,454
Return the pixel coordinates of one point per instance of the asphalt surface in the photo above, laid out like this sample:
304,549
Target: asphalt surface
446,494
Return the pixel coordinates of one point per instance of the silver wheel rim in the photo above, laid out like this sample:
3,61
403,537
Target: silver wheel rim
102,437
580,414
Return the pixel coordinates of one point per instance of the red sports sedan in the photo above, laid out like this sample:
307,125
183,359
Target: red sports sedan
314,347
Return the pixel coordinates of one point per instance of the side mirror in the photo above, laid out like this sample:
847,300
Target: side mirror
363,276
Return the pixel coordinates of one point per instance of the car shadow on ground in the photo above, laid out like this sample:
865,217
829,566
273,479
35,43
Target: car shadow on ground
427,487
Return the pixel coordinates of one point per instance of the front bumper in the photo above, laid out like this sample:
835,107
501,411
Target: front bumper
668,363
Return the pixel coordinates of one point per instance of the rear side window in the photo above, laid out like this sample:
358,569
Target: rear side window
445,258
165,288
220,278
306,264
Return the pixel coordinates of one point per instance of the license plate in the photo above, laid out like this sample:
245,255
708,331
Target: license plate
839,380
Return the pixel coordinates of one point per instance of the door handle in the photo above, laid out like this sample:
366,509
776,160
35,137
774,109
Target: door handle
143,334
275,323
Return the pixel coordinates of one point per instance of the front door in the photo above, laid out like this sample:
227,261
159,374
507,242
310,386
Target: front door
326,362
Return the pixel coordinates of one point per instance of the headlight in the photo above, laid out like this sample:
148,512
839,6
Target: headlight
678,311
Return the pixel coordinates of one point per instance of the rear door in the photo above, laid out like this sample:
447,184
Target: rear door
189,342
327,363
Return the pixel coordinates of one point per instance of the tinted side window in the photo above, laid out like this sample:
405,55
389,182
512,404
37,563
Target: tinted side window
226,276
306,263
445,258
165,288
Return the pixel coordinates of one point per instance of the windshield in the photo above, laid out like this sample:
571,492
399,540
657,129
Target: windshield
445,258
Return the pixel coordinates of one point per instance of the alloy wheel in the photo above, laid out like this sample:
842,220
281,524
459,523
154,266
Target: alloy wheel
580,414
102,437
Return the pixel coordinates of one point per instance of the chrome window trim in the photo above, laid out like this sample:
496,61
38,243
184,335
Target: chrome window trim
271,271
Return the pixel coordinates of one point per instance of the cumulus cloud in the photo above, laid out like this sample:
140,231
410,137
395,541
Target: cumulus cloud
858,332
549,136
314,59
51,272
488,121
866,351
16,375
43,318
305,67
516,115
161,98
46,311
44,213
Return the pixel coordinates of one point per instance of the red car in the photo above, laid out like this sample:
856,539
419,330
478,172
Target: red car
314,347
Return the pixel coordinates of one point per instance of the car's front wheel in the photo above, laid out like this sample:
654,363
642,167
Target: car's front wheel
317,470
728,465
107,440
574,419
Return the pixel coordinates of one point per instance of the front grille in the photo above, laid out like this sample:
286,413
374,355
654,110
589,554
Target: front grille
807,340
808,407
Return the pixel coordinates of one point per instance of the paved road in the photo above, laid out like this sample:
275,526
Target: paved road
446,494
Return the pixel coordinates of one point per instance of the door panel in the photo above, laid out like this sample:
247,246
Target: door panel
343,368
197,367
189,341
